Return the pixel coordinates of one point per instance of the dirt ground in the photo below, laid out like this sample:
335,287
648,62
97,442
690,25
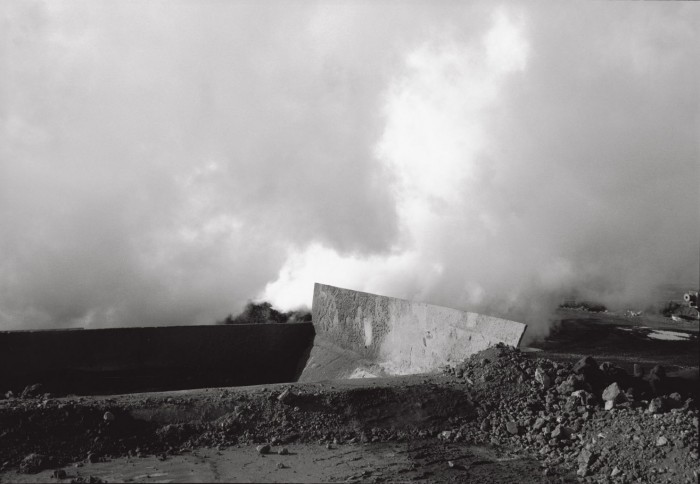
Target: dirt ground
416,461
500,416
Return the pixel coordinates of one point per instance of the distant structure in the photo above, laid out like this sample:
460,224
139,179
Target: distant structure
688,309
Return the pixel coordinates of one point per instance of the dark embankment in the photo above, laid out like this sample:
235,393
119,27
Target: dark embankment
120,360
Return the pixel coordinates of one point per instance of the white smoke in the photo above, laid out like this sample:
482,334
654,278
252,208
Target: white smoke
163,163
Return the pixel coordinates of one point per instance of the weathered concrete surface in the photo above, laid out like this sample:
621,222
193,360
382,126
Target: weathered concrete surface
361,334
153,358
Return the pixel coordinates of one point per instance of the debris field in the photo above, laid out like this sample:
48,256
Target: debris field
584,421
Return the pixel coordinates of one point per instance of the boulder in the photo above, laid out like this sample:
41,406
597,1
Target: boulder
567,387
591,374
560,432
613,393
585,457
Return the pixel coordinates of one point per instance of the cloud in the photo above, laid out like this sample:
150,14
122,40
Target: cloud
164,163
555,155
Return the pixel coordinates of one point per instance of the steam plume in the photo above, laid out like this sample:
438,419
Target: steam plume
163,163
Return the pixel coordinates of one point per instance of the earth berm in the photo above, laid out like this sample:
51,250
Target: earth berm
499,416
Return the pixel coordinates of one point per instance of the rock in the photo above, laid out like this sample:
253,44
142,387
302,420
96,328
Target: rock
34,463
616,470
9,394
283,451
542,378
588,369
560,432
661,441
539,423
609,405
567,386
512,428
656,406
108,416
585,457
263,449
613,393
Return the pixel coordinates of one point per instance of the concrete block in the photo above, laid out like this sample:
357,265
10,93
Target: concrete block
362,334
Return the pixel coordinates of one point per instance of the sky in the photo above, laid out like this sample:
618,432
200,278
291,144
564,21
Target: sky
166,162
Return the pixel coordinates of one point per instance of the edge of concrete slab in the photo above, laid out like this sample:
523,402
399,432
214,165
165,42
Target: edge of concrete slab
364,334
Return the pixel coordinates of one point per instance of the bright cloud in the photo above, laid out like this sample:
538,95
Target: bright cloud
164,163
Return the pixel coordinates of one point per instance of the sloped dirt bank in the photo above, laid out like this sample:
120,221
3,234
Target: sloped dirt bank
548,418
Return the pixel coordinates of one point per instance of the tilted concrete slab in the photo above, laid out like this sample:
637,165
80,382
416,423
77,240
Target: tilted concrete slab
360,334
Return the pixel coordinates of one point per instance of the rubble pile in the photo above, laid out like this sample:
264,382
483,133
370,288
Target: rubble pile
596,420
582,421
81,428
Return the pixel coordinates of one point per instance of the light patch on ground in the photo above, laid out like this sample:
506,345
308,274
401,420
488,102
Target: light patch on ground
660,334
361,373
668,335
